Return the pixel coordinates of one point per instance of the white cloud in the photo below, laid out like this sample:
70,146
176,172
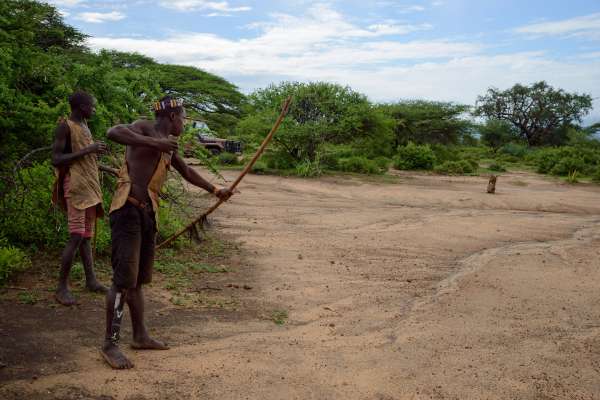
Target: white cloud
66,3
217,7
98,17
411,9
323,45
588,25
320,38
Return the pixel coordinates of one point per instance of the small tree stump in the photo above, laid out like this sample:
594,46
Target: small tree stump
492,184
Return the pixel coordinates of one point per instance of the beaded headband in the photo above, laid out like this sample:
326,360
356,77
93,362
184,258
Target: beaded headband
167,104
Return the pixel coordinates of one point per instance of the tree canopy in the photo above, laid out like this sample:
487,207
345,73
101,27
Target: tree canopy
43,60
537,111
321,113
421,121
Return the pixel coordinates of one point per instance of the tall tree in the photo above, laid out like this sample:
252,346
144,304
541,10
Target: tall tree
321,113
211,97
537,111
423,122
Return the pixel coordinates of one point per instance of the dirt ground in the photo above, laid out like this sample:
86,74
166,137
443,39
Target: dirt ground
403,287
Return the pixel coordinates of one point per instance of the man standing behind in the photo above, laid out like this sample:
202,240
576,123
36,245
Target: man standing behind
149,154
77,190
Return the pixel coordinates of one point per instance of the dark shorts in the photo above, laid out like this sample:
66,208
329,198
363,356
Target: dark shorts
133,240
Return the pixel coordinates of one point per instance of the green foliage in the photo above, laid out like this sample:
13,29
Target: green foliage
170,220
497,167
455,167
28,218
12,260
227,158
572,177
596,174
538,111
568,166
260,167
430,122
28,297
279,316
358,164
565,160
279,160
383,163
412,156
321,114
211,97
307,168
516,150
497,133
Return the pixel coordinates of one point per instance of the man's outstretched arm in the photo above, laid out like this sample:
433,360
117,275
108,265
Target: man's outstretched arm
193,177
60,158
132,135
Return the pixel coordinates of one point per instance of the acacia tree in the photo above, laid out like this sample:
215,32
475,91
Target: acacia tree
427,122
321,114
536,111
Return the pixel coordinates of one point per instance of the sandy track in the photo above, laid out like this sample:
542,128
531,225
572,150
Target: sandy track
422,288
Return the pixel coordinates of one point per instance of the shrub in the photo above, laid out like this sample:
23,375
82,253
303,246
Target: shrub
227,158
329,154
514,149
454,168
596,174
497,167
12,260
383,163
565,160
414,156
260,167
279,160
28,218
308,168
568,166
359,164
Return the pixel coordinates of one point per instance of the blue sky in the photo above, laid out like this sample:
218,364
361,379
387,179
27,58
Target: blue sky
449,50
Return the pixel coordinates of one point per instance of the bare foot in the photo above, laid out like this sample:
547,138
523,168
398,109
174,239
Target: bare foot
149,344
96,286
113,356
64,297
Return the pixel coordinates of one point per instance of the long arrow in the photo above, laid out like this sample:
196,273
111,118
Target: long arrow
247,169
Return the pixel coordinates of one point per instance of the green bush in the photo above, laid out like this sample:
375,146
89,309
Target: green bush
445,153
12,260
227,158
565,160
507,158
279,160
497,167
28,217
360,165
568,166
260,167
455,168
330,154
596,174
383,163
414,156
514,149
169,220
308,168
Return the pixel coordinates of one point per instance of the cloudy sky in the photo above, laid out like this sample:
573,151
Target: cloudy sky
450,50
